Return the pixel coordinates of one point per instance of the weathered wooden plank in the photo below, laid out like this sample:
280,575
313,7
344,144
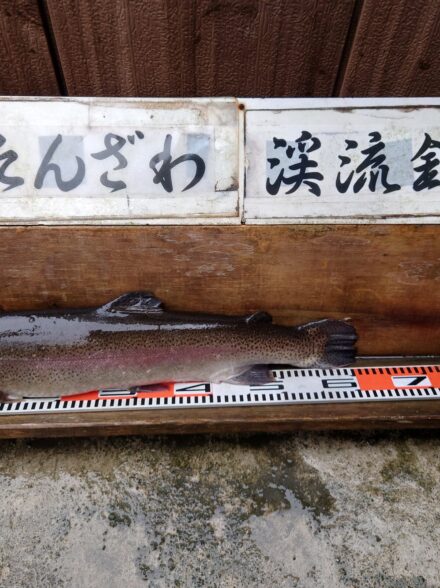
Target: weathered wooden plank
423,414
395,51
385,277
25,63
203,48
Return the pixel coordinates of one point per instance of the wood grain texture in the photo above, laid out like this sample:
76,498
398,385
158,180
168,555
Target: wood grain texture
385,277
200,47
395,51
25,62
423,414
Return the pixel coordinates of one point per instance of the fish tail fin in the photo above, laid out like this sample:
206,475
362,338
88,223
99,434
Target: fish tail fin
335,341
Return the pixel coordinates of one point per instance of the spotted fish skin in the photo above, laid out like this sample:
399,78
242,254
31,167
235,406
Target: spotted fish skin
132,341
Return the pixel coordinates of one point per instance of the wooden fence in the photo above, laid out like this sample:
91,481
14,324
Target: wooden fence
220,47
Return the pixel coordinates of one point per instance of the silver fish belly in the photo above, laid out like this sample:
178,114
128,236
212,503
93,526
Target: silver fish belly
132,341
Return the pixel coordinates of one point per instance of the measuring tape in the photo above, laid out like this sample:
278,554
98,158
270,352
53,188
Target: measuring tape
291,386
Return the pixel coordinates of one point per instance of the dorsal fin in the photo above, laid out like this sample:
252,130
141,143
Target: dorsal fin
258,317
136,302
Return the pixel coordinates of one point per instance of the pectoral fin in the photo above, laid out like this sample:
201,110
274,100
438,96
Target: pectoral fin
6,398
254,375
134,302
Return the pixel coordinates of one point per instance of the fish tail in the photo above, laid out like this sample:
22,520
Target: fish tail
335,342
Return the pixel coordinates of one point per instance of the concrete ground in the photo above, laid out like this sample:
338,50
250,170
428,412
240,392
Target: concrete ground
306,510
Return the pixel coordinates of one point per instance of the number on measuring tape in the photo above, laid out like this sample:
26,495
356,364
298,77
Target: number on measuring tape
203,388
270,387
110,392
338,383
411,381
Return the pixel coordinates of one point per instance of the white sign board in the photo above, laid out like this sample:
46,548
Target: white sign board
342,161
110,160
220,160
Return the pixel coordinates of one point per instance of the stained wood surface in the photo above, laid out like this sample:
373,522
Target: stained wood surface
395,50
25,63
202,48
220,47
385,278
281,419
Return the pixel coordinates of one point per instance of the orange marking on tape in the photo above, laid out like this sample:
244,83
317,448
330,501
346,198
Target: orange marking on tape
108,395
94,395
407,377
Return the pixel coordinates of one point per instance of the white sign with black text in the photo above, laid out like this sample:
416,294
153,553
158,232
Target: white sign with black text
219,160
350,163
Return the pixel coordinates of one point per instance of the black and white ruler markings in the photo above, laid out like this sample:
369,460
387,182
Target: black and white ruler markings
291,386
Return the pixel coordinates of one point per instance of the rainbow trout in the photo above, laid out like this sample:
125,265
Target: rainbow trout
132,341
